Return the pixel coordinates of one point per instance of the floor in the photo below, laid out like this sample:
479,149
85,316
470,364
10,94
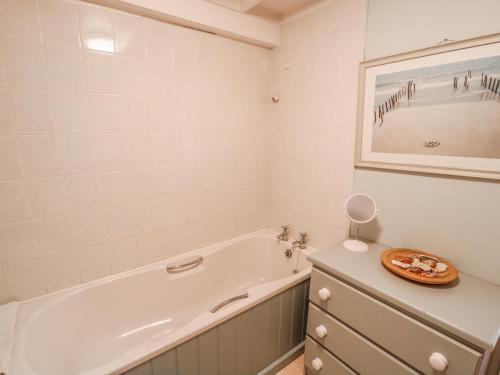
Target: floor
294,368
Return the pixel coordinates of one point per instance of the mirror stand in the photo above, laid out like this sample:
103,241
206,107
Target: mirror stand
355,244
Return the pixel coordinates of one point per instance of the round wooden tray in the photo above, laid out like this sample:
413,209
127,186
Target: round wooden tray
446,277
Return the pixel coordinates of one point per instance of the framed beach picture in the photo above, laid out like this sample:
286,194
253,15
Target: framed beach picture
435,110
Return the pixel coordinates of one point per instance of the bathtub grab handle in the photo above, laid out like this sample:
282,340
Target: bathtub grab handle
185,266
228,301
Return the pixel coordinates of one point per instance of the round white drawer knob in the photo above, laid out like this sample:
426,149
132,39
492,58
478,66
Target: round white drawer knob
321,331
438,361
317,364
324,294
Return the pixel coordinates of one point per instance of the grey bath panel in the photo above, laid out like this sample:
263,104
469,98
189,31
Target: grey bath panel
144,369
243,345
187,358
208,351
227,347
286,321
259,337
165,364
272,344
299,295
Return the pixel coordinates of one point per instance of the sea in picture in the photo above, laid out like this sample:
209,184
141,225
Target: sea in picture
449,109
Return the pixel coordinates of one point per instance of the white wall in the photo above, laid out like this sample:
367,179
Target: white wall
405,25
111,160
311,145
458,218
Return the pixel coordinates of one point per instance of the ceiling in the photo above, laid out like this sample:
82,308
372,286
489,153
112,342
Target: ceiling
275,10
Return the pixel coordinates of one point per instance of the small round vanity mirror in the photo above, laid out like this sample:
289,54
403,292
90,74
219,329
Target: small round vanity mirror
360,209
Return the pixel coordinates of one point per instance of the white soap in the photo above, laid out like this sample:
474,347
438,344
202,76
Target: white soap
441,267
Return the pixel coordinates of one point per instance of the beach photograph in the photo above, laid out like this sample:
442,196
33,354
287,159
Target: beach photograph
450,109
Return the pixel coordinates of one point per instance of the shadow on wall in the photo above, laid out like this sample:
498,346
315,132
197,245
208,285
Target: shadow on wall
371,230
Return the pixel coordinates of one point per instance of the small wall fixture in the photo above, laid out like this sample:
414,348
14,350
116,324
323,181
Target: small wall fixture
446,40
431,143
276,99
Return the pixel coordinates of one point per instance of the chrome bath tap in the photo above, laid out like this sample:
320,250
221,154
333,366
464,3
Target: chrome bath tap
285,232
301,243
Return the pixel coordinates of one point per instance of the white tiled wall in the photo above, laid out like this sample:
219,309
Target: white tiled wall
315,74
123,141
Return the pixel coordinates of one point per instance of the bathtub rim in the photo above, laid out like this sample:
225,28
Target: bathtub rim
207,250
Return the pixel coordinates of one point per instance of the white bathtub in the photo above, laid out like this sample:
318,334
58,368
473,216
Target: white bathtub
113,324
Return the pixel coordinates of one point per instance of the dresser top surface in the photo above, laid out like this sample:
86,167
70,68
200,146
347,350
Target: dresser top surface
468,308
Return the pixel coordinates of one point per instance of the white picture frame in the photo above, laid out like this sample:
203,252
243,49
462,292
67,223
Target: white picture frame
395,136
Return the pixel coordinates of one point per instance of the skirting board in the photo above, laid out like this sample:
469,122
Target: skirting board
284,361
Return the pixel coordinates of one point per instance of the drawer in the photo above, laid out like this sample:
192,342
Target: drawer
331,365
353,349
405,337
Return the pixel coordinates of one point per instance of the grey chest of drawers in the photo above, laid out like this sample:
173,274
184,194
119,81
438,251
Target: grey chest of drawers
365,320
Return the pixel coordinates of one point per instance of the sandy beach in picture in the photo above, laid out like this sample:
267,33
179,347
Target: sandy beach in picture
450,110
